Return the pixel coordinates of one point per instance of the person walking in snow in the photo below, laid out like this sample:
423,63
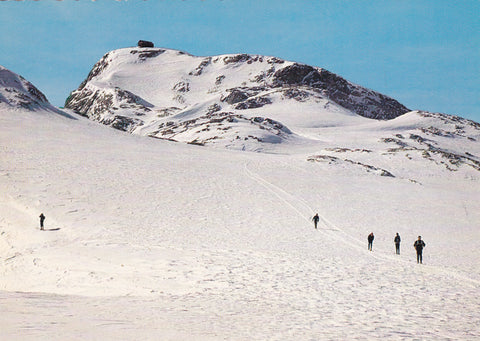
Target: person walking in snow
42,219
315,219
419,245
397,244
370,241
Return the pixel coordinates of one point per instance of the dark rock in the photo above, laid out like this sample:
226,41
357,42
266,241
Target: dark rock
322,158
95,104
219,79
418,138
182,87
145,43
239,58
256,102
275,60
294,74
199,70
123,123
143,55
264,75
269,124
396,141
296,94
362,101
235,96
214,108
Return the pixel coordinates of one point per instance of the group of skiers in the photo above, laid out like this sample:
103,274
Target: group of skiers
418,245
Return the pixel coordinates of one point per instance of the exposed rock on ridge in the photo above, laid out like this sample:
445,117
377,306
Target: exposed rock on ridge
145,88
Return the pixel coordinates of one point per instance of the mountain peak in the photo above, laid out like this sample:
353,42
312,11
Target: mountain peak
165,93
15,91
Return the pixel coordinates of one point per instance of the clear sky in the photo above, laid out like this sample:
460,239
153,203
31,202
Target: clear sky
425,54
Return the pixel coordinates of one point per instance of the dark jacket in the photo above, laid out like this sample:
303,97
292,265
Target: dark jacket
370,237
419,245
397,239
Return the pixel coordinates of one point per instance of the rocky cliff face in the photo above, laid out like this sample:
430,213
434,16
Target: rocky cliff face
160,92
363,102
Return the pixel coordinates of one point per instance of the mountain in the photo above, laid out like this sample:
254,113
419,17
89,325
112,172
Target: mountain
15,91
258,103
238,101
18,93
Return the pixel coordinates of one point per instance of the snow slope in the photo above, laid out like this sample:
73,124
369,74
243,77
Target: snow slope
154,239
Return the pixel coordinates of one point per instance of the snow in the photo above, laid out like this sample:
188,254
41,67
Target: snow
163,93
153,239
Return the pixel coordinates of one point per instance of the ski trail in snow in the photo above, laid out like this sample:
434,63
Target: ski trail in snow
282,195
287,198
325,221
432,269
274,189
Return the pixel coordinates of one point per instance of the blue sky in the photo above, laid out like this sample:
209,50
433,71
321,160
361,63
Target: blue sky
425,54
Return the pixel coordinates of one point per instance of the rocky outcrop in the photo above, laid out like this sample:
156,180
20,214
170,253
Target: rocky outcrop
98,104
362,101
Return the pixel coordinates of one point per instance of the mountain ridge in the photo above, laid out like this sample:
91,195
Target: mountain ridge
160,92
16,91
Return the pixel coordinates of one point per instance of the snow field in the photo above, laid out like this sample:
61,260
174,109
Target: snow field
174,241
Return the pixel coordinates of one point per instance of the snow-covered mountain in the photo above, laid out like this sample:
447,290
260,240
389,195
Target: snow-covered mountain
238,101
253,102
17,92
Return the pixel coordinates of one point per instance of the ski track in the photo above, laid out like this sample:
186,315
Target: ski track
287,198
282,195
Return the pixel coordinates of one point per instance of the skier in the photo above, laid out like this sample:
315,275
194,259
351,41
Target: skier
370,241
419,245
42,219
397,244
315,219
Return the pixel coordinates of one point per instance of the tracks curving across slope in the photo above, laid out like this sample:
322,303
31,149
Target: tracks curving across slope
300,207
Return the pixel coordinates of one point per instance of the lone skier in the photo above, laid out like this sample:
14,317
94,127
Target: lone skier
315,219
370,241
397,244
42,219
419,245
